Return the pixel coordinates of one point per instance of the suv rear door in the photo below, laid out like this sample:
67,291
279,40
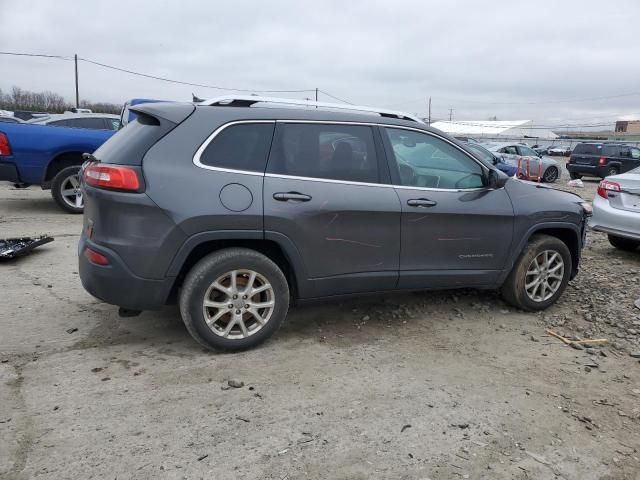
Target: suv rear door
455,231
327,191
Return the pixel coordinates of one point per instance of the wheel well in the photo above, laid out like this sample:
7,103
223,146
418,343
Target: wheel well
63,160
268,248
570,239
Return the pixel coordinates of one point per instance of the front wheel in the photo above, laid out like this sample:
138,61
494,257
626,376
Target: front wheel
234,299
550,175
65,190
626,244
540,275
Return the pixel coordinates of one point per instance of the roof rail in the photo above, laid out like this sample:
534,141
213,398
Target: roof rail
248,100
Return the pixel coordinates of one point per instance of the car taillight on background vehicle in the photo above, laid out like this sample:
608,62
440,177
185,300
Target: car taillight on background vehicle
606,186
112,177
602,161
5,148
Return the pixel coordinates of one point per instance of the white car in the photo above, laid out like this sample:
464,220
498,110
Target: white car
561,150
616,210
527,160
95,121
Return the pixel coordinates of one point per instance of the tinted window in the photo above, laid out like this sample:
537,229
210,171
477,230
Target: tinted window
587,149
616,151
112,123
336,152
426,161
92,123
635,153
240,147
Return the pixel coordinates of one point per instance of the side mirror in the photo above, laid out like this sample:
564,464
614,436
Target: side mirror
495,180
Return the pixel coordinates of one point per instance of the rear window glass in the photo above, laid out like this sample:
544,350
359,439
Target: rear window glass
587,149
240,147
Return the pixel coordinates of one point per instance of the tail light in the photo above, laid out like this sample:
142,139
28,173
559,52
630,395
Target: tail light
570,160
95,257
602,161
5,148
606,186
112,177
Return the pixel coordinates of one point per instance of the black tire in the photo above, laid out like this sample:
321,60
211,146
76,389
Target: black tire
626,244
58,184
612,171
550,175
513,290
575,176
206,272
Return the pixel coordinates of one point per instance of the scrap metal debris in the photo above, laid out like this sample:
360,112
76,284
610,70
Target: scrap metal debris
16,247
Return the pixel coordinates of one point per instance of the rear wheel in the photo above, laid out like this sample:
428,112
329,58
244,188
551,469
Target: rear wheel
575,176
65,189
626,244
550,175
540,275
612,171
234,299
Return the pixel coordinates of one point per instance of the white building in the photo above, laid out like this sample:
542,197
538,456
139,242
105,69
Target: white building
494,129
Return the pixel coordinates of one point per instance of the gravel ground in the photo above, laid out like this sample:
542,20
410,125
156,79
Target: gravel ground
435,385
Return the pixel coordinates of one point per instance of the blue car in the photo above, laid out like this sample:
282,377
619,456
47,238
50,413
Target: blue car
491,158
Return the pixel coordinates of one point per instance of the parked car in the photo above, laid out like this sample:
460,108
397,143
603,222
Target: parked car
32,154
236,210
97,121
602,159
559,150
616,210
514,154
491,158
540,150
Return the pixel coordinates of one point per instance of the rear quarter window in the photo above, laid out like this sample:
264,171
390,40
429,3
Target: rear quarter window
240,147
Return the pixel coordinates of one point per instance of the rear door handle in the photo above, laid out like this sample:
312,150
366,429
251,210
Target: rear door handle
296,196
421,202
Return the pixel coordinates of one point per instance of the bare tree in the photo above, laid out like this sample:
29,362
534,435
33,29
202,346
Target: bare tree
48,101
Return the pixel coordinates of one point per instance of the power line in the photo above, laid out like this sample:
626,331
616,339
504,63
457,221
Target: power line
334,97
19,54
164,79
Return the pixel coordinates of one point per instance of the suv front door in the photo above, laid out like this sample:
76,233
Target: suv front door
455,231
327,191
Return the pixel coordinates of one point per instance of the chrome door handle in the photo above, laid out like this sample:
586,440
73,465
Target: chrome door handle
421,202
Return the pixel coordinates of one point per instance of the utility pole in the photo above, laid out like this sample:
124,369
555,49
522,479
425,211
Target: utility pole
429,110
450,114
75,57
316,94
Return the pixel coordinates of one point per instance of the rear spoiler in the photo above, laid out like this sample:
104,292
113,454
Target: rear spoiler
161,111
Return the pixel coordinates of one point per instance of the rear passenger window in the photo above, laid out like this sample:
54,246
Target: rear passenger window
336,152
243,146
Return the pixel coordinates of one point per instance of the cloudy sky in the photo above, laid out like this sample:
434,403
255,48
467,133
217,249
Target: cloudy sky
549,61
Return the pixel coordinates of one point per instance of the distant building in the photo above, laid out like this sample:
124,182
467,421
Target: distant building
494,129
628,126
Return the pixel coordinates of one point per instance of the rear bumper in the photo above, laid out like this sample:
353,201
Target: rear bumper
595,170
620,223
9,173
115,284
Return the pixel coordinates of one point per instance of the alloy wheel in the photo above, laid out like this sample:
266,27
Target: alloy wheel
71,192
238,304
544,276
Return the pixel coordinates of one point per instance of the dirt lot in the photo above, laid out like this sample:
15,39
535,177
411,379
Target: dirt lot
436,385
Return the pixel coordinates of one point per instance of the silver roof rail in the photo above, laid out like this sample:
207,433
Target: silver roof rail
248,100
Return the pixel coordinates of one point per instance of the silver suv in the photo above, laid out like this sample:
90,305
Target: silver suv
236,207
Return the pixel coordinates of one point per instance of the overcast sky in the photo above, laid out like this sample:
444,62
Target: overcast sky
473,57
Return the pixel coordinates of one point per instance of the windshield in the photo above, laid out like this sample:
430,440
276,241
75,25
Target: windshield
482,154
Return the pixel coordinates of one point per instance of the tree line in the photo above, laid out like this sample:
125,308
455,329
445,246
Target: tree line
47,101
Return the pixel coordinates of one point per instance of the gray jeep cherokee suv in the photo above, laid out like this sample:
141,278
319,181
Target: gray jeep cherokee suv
236,207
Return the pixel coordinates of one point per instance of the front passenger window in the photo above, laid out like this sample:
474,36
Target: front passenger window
424,160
